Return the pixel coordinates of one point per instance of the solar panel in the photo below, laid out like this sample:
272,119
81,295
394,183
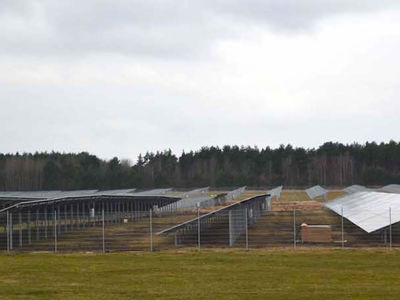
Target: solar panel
29,194
232,195
74,193
316,191
368,210
391,188
276,192
155,192
196,193
355,188
191,202
255,203
116,192
85,194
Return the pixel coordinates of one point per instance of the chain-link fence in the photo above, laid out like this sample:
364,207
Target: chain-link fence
239,227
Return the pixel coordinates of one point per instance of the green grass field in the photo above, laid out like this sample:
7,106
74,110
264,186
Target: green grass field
264,274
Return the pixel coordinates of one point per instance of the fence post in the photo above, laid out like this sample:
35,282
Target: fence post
20,228
230,228
151,230
247,230
8,231
294,229
198,226
29,227
342,230
55,230
103,229
390,228
11,232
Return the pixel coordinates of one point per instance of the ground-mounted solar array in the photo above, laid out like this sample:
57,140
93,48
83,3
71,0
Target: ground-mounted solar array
391,188
355,188
370,211
161,219
316,191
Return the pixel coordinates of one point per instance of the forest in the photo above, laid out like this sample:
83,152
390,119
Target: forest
331,164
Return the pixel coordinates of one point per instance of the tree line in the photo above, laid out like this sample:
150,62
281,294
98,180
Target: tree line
331,164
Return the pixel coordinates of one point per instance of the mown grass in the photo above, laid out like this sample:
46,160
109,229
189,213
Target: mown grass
273,274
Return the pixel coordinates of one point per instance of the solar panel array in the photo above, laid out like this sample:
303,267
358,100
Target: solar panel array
391,188
196,193
316,191
155,192
75,193
29,194
368,210
191,202
199,196
355,188
276,192
232,195
78,195
116,192
44,195
239,214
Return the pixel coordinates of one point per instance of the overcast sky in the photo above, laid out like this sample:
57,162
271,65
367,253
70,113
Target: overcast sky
119,78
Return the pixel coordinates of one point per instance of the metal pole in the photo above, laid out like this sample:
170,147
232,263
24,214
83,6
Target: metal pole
230,228
55,230
390,228
37,224
198,226
342,230
247,230
20,228
45,222
8,231
29,227
58,212
294,229
11,232
151,230
65,218
104,243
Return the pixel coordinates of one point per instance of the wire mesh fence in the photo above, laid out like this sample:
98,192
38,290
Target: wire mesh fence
239,227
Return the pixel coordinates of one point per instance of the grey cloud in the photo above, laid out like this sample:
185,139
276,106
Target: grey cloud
161,29
297,14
